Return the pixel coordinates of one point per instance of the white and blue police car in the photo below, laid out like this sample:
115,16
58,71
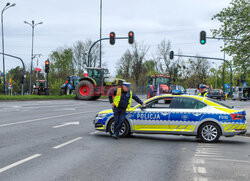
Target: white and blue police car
202,117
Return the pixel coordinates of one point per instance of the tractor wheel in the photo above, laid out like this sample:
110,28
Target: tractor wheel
96,97
68,91
35,92
85,90
62,91
150,92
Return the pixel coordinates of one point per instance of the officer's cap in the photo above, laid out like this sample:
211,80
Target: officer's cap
202,86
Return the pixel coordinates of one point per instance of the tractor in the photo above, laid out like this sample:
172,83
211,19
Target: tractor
158,84
95,84
70,85
41,88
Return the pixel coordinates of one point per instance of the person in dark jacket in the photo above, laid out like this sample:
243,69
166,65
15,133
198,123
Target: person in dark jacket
203,91
121,101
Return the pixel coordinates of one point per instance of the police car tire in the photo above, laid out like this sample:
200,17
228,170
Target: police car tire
126,132
209,124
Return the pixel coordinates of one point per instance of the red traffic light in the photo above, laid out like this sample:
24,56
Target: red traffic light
112,38
47,66
131,37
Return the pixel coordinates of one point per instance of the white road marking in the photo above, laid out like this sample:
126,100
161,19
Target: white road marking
64,144
197,155
200,170
205,153
94,132
69,109
208,149
39,119
67,124
19,162
200,179
228,160
199,161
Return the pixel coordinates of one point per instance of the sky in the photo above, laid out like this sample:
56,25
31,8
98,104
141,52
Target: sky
68,21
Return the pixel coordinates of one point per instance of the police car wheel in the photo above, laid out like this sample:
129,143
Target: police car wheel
209,132
124,130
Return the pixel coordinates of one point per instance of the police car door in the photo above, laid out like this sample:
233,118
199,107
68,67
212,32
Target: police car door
154,117
185,114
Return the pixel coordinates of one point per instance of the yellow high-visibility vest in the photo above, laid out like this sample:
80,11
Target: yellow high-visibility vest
203,95
118,98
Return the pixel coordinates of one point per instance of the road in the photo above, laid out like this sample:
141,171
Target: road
55,140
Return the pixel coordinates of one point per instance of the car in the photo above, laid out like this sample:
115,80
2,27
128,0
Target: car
216,94
191,91
177,89
202,117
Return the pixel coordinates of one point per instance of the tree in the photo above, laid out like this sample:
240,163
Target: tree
124,69
80,56
138,53
235,25
132,65
163,62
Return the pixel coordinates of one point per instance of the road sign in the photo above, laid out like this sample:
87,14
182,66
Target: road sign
38,69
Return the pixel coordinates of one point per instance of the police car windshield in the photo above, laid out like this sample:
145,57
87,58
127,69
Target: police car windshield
220,103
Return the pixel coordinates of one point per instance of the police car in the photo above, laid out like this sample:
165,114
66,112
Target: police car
202,117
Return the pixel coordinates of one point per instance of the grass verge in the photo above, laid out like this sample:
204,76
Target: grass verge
39,97
34,97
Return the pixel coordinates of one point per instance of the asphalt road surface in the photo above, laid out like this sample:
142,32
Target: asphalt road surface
56,140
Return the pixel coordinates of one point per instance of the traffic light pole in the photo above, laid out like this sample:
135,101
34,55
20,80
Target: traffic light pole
96,43
212,58
23,77
224,55
47,92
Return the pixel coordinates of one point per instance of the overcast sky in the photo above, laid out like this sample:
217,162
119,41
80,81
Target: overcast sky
67,21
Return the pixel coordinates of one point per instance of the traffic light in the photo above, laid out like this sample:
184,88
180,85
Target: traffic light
203,37
112,38
171,55
47,66
131,37
22,80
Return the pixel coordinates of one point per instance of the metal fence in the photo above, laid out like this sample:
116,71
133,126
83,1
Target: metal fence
139,90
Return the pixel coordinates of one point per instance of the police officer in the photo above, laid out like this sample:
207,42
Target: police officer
203,91
122,101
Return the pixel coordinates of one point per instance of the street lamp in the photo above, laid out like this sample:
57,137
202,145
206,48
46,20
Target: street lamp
7,6
100,33
32,24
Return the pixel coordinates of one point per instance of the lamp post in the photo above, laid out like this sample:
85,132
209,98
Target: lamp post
32,24
7,6
100,65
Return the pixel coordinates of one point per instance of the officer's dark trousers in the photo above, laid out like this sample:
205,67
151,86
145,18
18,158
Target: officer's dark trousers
119,115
